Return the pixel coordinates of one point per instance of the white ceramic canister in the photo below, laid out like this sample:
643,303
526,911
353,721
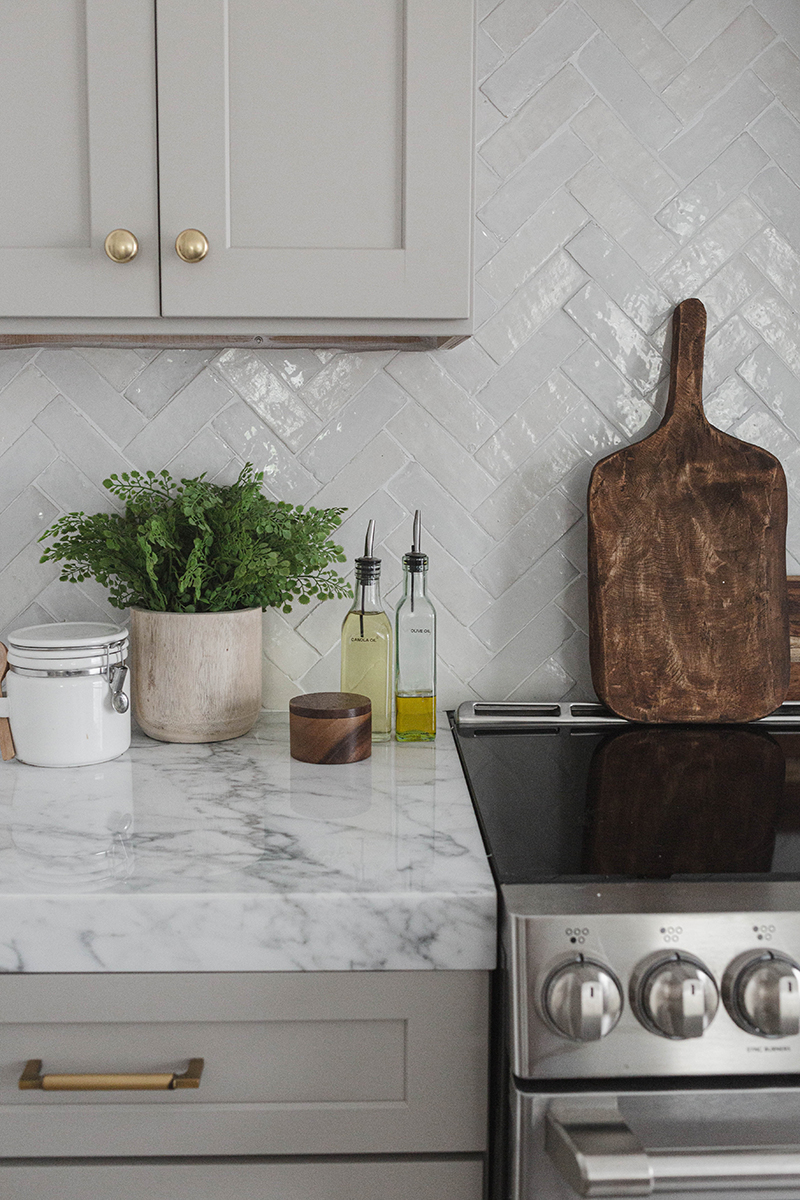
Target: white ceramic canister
68,699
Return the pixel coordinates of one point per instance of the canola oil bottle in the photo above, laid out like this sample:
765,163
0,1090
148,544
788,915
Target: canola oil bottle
367,642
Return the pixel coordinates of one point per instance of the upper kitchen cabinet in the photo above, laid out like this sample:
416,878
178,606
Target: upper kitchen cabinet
315,156
78,157
317,147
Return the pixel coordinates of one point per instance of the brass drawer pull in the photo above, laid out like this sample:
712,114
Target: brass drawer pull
31,1077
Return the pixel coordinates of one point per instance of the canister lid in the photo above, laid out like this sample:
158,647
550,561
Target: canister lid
330,706
63,635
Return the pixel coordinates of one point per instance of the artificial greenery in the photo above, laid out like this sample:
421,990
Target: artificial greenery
199,546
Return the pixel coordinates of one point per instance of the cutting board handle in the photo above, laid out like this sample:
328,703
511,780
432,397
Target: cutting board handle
686,366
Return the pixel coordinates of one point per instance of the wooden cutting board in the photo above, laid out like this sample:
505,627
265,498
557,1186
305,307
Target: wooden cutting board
687,570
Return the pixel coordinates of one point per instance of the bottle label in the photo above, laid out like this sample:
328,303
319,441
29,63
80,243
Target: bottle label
420,631
364,639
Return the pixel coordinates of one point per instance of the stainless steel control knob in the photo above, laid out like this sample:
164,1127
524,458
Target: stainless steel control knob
675,996
582,1000
762,994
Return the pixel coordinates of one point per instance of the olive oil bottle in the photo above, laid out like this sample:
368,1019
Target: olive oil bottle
415,622
367,642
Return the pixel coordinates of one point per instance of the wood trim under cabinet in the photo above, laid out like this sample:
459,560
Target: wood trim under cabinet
163,341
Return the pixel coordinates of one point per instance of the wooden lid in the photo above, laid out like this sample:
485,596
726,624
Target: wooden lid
330,706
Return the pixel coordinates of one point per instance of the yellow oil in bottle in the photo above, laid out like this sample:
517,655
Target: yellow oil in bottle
415,718
367,665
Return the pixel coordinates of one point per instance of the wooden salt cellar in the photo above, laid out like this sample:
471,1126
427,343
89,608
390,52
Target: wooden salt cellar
330,727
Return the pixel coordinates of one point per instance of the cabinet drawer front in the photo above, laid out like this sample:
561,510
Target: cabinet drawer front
245,1062
386,1062
382,1180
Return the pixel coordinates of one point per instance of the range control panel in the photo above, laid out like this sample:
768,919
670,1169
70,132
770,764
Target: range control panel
632,994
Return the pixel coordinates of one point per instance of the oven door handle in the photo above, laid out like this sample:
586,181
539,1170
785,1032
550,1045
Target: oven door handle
598,1154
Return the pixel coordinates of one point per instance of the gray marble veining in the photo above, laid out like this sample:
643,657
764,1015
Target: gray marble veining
233,856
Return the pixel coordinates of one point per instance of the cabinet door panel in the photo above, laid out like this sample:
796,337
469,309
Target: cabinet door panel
322,166
77,146
324,150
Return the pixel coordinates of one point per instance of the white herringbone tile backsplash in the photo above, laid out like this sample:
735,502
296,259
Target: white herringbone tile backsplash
631,154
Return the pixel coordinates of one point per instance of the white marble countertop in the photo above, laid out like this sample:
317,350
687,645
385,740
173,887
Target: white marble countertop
232,856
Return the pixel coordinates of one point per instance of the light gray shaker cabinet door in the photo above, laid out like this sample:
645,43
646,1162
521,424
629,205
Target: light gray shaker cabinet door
325,152
77,156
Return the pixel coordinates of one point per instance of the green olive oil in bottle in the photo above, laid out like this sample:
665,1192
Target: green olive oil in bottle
367,642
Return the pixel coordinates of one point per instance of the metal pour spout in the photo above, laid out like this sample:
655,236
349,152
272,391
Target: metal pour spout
416,538
369,546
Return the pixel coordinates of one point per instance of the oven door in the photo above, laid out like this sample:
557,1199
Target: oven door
740,1143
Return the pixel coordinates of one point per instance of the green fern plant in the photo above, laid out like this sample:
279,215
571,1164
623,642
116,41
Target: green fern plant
198,546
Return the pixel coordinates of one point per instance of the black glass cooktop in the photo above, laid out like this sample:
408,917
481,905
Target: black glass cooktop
566,803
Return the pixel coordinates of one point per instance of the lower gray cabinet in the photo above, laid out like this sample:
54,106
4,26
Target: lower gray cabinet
295,1065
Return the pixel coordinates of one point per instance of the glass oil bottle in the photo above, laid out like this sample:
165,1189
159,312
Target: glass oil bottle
367,642
415,676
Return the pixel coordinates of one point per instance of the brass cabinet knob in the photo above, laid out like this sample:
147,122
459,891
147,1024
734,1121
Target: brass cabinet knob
121,246
191,245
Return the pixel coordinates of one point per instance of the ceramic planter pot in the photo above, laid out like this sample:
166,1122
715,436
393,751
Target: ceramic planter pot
195,677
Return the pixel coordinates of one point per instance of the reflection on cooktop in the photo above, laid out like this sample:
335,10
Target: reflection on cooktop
696,801
637,802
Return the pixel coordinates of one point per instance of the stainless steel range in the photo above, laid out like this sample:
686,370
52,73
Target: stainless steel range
649,1038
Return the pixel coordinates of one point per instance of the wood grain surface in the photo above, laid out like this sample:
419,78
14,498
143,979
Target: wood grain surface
195,677
329,706
335,741
7,750
330,727
688,612
793,590
267,341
